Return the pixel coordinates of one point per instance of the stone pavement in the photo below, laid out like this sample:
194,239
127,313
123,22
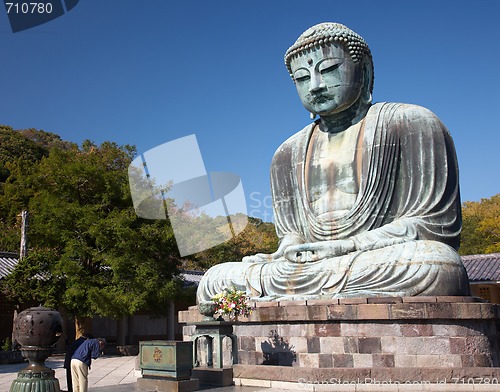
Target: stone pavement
108,374
118,374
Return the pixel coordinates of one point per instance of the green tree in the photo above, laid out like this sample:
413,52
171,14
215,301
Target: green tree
481,226
89,252
257,237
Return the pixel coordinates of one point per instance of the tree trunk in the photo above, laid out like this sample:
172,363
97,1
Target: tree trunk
83,325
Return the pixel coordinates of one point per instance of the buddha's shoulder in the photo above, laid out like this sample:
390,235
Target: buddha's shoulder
403,111
296,140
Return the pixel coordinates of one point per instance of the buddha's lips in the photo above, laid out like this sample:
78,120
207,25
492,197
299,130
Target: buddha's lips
320,99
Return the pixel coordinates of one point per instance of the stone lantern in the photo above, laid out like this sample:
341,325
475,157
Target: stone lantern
37,330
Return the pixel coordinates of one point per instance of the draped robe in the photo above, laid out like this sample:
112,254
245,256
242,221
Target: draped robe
405,221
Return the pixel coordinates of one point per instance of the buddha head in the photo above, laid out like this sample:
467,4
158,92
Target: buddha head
332,69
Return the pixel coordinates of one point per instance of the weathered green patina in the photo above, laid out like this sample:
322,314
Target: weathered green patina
166,359
366,199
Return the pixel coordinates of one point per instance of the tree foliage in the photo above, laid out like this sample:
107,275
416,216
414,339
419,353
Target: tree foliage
481,226
257,237
89,252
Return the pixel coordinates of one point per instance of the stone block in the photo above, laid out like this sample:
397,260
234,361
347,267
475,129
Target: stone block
439,361
353,301
401,345
327,329
467,360
325,360
440,310
298,344
308,360
411,311
455,299
322,302
468,310
371,328
247,358
268,314
385,300
313,345
246,343
373,312
342,312
435,345
287,330
369,345
477,345
211,376
419,299
292,303
459,328
362,360
342,360
254,329
405,361
457,345
317,313
383,360
416,329
266,304
351,345
482,360
489,311
295,313
331,345
396,374
154,384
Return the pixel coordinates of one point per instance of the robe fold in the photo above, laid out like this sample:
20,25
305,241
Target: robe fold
405,221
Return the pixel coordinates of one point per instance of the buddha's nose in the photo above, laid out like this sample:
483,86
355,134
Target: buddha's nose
316,85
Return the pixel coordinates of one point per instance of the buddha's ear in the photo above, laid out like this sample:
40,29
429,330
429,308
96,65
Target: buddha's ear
367,79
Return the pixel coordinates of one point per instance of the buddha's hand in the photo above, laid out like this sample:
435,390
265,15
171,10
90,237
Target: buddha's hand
286,242
314,251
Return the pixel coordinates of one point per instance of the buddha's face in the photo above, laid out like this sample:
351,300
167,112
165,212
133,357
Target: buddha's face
327,80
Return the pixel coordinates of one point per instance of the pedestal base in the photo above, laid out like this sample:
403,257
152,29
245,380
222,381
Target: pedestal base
162,385
367,333
211,376
28,381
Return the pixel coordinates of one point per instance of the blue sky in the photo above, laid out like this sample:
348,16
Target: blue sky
148,72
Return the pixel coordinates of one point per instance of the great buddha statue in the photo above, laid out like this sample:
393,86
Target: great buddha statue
366,198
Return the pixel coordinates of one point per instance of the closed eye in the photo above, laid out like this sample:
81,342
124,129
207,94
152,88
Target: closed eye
329,65
329,68
302,75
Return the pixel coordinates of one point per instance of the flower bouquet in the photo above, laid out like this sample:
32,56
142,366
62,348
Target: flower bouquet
232,303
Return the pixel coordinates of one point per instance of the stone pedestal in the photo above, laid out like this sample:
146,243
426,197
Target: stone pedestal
166,366
213,376
157,385
403,337
215,350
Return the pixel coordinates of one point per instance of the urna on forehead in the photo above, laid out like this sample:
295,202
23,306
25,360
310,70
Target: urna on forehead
324,34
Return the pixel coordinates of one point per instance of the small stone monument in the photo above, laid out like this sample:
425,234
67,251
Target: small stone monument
37,330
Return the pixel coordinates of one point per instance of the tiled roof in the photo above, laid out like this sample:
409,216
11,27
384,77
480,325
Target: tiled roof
8,262
481,268
192,277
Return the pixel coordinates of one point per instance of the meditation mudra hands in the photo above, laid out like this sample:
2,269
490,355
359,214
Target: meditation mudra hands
295,250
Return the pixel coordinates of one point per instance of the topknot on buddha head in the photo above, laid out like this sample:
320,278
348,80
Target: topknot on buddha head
324,34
